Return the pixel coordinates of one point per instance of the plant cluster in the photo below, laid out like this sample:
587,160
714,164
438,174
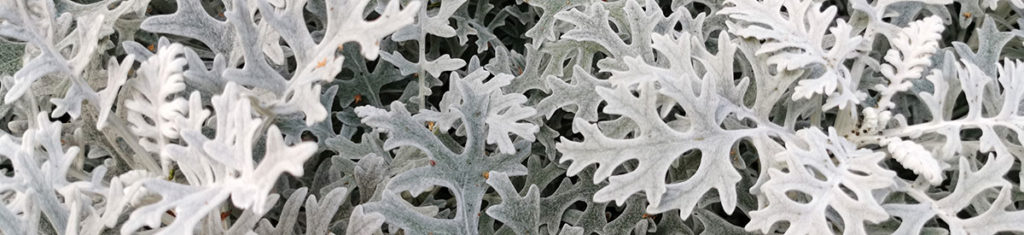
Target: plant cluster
511,117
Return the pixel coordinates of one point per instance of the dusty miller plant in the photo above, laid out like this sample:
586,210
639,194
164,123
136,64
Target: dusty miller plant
511,117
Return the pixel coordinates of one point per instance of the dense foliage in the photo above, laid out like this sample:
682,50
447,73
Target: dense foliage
502,117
